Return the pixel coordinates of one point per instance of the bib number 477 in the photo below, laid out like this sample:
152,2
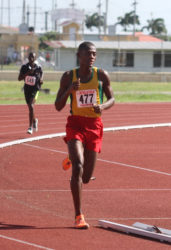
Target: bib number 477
86,98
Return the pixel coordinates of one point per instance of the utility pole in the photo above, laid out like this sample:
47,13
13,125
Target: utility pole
28,15
9,14
106,15
46,21
55,22
24,11
99,6
135,10
35,13
73,4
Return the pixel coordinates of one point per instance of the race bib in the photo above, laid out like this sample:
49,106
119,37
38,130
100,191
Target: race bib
86,98
30,80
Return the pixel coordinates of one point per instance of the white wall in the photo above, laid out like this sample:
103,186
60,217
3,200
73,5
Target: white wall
143,61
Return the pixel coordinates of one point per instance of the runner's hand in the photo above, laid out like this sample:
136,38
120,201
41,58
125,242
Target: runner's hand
97,108
76,84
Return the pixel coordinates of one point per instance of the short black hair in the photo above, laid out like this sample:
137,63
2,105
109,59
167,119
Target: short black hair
85,46
32,54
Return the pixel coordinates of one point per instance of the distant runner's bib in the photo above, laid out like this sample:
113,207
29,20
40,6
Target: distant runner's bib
30,80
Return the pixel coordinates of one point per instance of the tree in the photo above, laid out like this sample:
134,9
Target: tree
156,26
94,20
129,19
47,37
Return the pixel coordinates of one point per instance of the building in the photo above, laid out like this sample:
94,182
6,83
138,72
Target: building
131,56
16,46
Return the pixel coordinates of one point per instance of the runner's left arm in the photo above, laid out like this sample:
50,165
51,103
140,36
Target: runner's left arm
107,89
41,76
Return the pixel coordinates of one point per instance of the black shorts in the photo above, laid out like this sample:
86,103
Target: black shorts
30,93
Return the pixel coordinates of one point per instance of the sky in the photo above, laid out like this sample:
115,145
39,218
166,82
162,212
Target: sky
145,9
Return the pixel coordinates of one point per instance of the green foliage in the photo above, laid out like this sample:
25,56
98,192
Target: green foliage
129,19
47,37
94,20
156,26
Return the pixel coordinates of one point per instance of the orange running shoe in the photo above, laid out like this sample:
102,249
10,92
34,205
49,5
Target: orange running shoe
80,222
66,164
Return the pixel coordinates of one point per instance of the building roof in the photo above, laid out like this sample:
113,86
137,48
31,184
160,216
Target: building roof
114,45
146,38
8,30
55,44
66,23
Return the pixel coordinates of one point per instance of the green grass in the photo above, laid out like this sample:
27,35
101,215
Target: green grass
142,91
11,92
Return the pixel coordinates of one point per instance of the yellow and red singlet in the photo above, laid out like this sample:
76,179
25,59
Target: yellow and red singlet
89,93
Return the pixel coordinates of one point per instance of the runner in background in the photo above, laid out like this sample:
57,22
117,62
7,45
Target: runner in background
85,85
32,75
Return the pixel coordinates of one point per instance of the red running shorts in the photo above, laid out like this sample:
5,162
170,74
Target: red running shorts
85,129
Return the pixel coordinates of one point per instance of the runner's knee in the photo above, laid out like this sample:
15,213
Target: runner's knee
86,179
77,170
31,107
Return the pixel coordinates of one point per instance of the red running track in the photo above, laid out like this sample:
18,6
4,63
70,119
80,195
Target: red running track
133,181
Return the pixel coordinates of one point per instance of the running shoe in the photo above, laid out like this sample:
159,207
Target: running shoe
35,125
66,164
80,222
93,178
30,130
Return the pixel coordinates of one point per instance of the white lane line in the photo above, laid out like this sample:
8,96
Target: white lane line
30,139
131,218
105,129
2,145
137,167
156,125
25,242
88,190
107,161
47,149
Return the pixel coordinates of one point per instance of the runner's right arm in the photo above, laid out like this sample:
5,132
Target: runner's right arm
65,89
25,71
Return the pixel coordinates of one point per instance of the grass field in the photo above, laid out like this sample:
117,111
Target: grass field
11,92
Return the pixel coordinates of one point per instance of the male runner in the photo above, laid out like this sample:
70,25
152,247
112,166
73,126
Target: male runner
32,75
84,129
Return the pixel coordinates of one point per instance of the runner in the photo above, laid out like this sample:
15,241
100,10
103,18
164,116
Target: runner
84,129
32,75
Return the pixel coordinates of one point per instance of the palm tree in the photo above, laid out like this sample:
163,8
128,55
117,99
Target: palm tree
156,26
94,20
129,19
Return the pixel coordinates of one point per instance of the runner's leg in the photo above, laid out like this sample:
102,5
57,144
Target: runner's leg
76,155
31,111
89,164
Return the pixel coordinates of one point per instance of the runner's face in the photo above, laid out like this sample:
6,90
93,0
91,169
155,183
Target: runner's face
32,58
87,56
